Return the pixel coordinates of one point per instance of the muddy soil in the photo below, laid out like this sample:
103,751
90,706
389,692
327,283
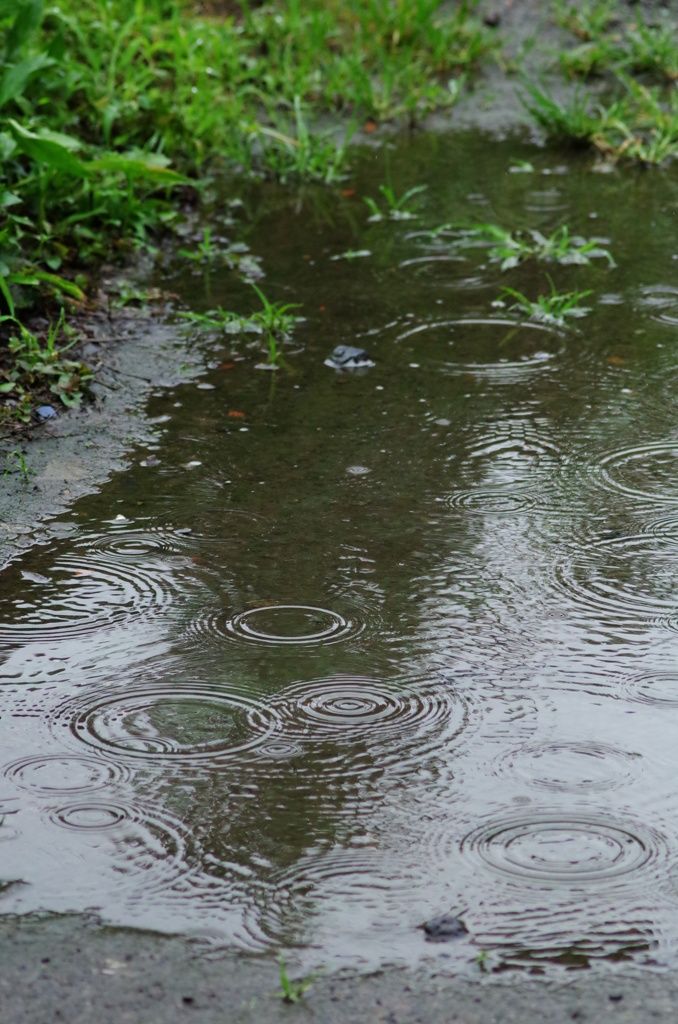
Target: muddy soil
136,354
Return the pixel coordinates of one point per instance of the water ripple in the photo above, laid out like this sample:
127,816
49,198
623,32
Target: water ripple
126,539
648,472
83,592
500,351
581,767
353,704
398,722
276,625
347,891
511,464
186,723
658,688
548,849
631,579
661,301
571,936
53,774
546,200
154,850
491,502
99,817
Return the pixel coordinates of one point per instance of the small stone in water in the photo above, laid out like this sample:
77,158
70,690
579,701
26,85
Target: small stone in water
46,412
444,928
347,357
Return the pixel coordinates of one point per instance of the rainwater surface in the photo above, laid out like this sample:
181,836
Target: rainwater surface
345,651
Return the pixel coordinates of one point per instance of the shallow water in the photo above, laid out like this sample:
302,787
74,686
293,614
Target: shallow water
344,652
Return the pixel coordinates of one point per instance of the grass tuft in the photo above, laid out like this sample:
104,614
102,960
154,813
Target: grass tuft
292,990
549,308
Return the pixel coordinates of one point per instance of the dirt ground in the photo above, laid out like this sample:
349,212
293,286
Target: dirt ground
75,969
65,458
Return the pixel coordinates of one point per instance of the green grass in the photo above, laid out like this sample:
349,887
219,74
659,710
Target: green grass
511,248
273,321
40,369
292,990
612,39
397,207
10,459
589,19
579,120
549,308
115,115
111,113
637,56
641,124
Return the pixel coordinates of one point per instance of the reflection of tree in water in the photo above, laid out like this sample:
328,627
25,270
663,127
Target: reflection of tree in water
262,817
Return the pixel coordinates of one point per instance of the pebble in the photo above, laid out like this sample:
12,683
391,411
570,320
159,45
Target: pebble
444,928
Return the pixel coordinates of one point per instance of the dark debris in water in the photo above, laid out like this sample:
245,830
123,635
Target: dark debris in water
444,928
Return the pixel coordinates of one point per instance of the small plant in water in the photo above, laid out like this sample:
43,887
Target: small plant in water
352,254
205,252
511,249
551,308
521,167
397,208
274,320
482,958
292,989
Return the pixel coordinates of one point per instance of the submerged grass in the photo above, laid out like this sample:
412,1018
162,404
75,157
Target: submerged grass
273,321
550,307
397,207
511,248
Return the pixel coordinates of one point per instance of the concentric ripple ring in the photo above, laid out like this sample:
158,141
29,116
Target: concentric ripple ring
647,472
90,817
659,689
551,848
570,767
352,706
191,723
54,774
290,624
487,502
498,350
85,593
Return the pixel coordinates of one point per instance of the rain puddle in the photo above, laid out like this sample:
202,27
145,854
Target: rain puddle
346,651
